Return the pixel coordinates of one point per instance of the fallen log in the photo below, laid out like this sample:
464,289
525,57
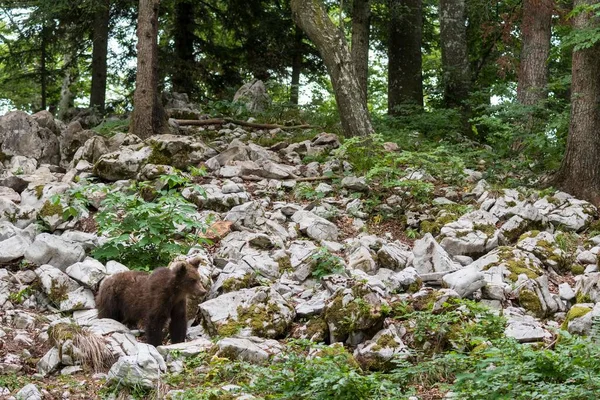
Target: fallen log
222,121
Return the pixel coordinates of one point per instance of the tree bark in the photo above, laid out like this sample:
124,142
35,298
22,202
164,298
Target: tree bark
361,24
456,75
296,67
579,173
148,116
43,69
405,73
184,38
536,33
100,55
314,21
70,76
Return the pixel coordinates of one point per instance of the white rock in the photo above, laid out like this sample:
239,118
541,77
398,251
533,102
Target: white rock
251,349
53,250
88,272
465,281
29,392
142,369
430,257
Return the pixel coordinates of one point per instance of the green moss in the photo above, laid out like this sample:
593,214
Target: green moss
234,284
228,329
488,229
575,312
39,191
158,156
415,287
49,209
577,269
260,318
387,341
434,227
348,318
518,267
285,264
531,302
511,203
316,329
583,298
529,234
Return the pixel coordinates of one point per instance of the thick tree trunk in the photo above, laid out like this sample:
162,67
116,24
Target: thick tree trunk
296,67
579,173
361,24
100,55
314,21
405,74
536,31
455,59
184,38
148,116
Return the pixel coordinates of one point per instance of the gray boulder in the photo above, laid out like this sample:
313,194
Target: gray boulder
465,281
140,370
259,311
21,135
54,250
315,227
253,95
430,257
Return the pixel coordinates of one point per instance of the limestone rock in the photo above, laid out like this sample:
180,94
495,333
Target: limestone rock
140,370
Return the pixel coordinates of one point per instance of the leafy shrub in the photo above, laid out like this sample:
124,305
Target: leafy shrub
459,325
332,375
326,263
146,234
112,127
305,191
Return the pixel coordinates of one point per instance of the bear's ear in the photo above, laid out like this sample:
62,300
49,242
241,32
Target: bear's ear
180,269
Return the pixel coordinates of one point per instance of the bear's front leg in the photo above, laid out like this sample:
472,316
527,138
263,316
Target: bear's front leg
178,325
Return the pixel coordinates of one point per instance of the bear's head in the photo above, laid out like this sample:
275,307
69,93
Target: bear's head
188,278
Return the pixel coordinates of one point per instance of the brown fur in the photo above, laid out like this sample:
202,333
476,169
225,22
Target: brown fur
132,297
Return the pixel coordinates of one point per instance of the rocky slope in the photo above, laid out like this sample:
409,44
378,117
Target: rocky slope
525,254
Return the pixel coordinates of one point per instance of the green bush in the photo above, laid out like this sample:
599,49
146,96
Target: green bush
147,234
326,263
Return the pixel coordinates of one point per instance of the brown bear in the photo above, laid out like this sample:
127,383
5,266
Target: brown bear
134,296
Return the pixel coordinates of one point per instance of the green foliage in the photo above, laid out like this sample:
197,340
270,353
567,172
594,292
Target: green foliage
110,128
326,263
521,372
333,374
460,325
368,156
305,191
144,234
18,297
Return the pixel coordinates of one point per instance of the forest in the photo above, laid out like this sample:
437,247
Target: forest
351,199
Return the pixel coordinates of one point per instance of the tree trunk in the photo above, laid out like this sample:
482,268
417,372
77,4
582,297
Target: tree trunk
100,55
405,74
361,15
184,38
43,69
314,21
536,33
296,67
148,116
70,76
455,59
579,173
